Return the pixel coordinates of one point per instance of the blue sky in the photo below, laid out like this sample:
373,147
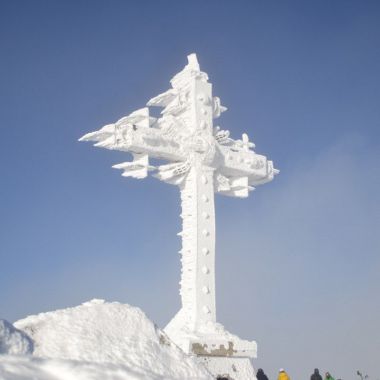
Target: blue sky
297,263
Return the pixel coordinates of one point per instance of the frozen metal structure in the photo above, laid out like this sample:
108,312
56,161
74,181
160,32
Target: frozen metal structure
203,160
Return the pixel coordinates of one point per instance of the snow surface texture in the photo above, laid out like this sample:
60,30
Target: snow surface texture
98,340
13,341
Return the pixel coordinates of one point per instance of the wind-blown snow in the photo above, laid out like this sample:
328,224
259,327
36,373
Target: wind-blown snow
98,340
13,341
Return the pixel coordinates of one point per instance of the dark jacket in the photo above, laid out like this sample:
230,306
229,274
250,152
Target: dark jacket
261,375
316,375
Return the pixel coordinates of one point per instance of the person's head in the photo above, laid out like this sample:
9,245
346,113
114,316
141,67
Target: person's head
328,374
316,371
281,370
260,370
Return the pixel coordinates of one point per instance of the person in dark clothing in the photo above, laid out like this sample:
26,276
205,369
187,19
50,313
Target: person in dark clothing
261,375
316,375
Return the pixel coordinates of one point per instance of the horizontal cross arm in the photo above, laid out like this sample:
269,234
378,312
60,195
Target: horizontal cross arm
245,163
134,134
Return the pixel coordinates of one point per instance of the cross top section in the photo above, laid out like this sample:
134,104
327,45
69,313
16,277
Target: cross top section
184,135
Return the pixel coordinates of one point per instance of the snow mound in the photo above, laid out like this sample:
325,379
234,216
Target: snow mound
13,341
111,333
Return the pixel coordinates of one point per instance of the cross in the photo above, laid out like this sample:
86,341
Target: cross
203,160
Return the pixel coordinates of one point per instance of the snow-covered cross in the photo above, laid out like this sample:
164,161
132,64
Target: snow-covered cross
203,160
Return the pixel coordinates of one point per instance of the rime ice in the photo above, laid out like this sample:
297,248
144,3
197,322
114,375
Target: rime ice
202,160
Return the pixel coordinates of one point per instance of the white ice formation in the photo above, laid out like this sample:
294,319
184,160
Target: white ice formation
203,160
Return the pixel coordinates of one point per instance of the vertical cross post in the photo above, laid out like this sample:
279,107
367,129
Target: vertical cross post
203,160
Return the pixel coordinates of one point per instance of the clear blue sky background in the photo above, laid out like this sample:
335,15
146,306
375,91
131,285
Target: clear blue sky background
297,263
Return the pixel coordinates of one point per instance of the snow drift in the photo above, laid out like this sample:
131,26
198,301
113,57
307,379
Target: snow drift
13,341
98,340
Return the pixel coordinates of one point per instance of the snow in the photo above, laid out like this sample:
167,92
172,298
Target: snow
27,368
13,341
96,340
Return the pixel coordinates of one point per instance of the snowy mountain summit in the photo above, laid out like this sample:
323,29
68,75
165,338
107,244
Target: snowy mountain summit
96,340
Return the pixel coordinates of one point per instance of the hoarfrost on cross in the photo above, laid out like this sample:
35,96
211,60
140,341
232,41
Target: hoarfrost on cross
203,160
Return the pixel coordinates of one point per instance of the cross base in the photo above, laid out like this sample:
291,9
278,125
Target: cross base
228,368
227,358
225,355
